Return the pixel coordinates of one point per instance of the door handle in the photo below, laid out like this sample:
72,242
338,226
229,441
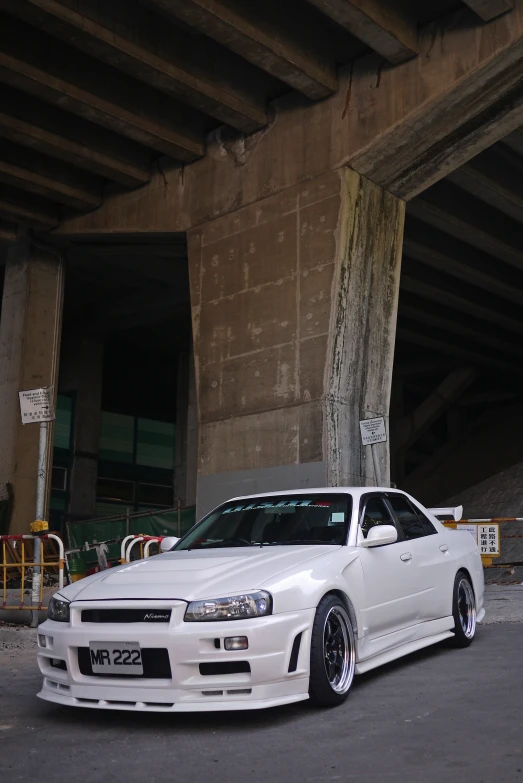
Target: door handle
444,548
406,557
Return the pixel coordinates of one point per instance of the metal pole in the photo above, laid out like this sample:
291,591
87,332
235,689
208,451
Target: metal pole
40,507
375,460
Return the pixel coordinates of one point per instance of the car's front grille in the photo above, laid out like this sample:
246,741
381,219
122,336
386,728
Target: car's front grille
155,662
126,615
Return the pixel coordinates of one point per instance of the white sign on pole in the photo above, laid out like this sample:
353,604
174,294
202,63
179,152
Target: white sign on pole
373,431
36,405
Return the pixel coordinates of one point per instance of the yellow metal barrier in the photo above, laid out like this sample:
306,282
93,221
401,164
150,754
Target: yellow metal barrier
11,562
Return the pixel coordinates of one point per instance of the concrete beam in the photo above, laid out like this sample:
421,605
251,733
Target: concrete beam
61,75
134,40
473,329
451,293
514,141
162,254
384,29
412,426
454,211
7,233
37,125
20,207
404,128
142,267
52,179
449,255
444,344
489,9
404,370
489,397
495,178
140,309
265,35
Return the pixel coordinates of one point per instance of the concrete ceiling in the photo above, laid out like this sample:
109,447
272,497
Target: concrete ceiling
93,93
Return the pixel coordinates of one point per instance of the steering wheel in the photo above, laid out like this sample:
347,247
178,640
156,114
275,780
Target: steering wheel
234,538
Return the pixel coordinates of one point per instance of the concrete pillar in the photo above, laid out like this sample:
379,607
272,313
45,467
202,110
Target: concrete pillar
186,443
30,328
81,372
294,314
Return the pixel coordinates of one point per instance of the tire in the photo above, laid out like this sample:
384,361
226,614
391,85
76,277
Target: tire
463,611
333,654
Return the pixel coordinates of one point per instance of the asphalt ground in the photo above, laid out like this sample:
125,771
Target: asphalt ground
440,715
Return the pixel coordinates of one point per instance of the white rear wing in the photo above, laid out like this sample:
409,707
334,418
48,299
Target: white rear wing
448,513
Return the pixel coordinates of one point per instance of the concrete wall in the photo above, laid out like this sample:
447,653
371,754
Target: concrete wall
294,308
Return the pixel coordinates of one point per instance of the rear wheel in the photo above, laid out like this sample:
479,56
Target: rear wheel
333,654
464,611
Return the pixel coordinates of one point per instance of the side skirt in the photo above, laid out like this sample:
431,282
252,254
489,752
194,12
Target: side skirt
399,652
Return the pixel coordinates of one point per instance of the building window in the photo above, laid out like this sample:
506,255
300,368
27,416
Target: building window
115,490
155,495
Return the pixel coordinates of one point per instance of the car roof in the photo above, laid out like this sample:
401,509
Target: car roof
355,491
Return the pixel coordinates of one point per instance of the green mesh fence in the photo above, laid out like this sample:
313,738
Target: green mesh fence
158,523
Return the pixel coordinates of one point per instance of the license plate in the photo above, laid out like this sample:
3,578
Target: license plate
116,658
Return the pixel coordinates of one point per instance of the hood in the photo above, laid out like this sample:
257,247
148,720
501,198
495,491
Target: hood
190,575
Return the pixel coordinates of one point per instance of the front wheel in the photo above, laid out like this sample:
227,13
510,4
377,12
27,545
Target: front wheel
333,654
463,611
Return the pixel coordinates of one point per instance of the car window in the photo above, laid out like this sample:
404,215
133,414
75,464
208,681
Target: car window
273,521
375,513
413,523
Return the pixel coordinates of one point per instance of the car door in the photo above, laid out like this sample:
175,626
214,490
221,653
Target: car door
430,561
388,574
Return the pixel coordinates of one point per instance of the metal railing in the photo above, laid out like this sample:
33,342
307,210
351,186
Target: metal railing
9,544
145,545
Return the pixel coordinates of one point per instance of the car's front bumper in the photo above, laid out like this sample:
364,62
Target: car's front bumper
269,682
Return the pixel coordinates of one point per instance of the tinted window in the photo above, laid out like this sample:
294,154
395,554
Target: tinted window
375,513
272,521
413,523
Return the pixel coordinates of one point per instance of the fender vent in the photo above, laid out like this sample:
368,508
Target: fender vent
293,661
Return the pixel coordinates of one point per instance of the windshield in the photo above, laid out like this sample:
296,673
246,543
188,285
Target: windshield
273,521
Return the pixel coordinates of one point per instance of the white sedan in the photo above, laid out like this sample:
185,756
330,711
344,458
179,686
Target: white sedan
270,599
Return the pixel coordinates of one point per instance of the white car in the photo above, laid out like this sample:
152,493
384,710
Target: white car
270,599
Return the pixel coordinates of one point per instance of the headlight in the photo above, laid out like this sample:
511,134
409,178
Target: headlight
236,607
58,610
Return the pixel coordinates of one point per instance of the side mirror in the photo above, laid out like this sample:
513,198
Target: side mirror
380,535
168,543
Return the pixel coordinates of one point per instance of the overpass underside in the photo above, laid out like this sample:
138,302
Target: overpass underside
272,220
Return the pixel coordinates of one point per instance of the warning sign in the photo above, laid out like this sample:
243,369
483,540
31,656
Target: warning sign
488,540
485,535
37,405
373,431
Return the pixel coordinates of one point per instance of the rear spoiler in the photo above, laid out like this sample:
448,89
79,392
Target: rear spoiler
448,513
